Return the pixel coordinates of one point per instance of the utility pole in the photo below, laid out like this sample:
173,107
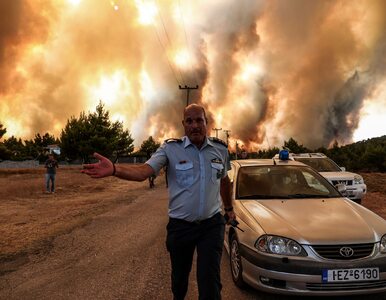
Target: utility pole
217,130
188,88
227,134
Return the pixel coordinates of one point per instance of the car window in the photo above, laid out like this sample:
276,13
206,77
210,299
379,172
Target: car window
314,183
320,164
262,182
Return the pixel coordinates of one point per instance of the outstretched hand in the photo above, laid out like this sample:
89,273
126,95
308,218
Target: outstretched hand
103,168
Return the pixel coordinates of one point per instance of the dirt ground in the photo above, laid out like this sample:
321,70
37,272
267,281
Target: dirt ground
30,219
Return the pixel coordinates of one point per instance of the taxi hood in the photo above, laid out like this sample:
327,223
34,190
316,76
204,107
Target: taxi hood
317,221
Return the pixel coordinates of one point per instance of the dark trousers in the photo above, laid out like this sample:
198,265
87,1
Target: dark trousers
207,237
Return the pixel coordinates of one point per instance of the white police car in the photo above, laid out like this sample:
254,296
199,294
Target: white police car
355,186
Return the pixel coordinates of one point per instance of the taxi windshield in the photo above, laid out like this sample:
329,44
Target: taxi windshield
282,182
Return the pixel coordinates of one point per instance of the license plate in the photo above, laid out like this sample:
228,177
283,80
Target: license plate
343,275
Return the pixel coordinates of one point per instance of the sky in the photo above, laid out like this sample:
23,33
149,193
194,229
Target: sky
265,70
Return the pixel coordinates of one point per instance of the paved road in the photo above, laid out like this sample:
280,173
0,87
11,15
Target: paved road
119,255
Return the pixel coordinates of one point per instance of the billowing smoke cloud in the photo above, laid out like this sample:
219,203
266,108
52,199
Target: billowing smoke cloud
320,57
266,70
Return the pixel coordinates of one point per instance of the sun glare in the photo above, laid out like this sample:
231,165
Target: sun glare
176,13
147,12
118,117
147,90
37,49
58,127
182,58
74,2
250,72
372,122
218,118
111,89
114,5
15,128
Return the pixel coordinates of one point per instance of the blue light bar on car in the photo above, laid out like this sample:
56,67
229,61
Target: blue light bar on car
284,155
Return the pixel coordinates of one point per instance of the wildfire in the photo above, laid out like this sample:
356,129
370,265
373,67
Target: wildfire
147,11
110,89
74,2
14,127
183,59
266,70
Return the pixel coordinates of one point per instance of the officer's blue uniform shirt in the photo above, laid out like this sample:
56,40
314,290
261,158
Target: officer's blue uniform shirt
193,176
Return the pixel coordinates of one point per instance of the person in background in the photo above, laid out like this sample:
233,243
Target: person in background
197,168
151,181
51,164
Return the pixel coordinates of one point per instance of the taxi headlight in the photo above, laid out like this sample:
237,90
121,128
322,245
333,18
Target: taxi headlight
358,179
279,245
383,244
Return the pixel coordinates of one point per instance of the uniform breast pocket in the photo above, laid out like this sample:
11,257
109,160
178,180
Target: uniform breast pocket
217,171
184,174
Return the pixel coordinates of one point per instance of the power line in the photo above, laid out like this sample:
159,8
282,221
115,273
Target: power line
187,42
188,88
167,36
167,57
166,54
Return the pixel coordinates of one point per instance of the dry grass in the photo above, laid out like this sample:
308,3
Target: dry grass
376,182
30,218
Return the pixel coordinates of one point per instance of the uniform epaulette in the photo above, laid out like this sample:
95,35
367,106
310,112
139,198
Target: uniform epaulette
217,140
173,140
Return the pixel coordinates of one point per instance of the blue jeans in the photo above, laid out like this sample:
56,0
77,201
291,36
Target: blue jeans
50,177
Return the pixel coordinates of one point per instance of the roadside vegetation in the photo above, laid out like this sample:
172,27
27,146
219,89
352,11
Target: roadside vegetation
95,132
79,139
365,156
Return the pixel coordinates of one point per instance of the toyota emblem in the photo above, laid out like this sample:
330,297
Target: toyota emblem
346,251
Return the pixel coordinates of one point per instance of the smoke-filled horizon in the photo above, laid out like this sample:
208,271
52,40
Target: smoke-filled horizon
266,70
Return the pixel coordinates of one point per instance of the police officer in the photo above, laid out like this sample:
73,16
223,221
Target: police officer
197,175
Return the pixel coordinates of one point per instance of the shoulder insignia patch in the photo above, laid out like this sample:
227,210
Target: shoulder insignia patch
173,140
217,140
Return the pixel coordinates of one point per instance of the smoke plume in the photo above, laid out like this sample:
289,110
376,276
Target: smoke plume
266,70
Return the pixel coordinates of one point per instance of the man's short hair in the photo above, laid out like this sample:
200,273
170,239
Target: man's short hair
197,106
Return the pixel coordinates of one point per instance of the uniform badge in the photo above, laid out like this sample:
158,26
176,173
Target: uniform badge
216,161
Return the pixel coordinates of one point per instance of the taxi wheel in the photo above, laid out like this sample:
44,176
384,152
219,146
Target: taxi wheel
235,262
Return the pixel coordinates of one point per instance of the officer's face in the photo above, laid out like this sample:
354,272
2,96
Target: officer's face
195,125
